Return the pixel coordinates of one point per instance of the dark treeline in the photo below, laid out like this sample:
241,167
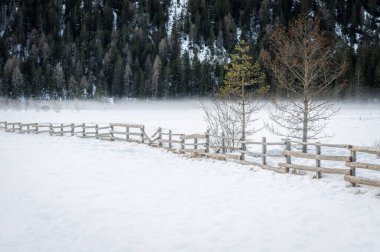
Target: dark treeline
124,48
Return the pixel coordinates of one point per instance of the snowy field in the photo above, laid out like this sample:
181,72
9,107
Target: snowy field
72,194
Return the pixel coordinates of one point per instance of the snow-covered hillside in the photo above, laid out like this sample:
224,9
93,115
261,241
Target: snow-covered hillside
176,9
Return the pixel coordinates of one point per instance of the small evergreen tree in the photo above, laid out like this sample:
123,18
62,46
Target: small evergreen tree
243,81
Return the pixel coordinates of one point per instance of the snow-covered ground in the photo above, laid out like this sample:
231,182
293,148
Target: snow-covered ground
72,194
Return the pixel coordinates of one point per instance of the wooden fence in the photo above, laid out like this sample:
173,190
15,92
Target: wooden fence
199,145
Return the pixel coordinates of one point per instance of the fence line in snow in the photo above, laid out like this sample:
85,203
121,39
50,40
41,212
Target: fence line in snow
199,145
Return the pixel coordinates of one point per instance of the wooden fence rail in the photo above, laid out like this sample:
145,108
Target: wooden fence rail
127,132
318,157
198,145
353,165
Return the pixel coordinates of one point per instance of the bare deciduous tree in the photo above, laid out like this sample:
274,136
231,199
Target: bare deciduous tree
73,85
301,59
17,80
13,76
128,79
156,76
58,76
221,119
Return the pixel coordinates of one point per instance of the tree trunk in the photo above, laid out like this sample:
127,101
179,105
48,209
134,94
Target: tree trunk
243,111
305,124
305,103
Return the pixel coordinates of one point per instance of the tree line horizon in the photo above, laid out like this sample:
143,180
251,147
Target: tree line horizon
88,49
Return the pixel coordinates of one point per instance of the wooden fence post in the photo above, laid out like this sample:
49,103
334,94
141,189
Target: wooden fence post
318,162
96,131
223,143
6,126
264,151
182,143
72,129
13,127
111,133
207,146
28,128
61,129
195,143
127,133
36,128
159,137
353,169
142,134
288,146
170,139
83,129
51,130
19,127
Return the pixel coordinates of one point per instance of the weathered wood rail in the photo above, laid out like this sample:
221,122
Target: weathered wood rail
128,132
353,165
264,154
198,145
318,157
166,139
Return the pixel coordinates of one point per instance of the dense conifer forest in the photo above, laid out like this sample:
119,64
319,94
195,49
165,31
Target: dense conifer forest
164,48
